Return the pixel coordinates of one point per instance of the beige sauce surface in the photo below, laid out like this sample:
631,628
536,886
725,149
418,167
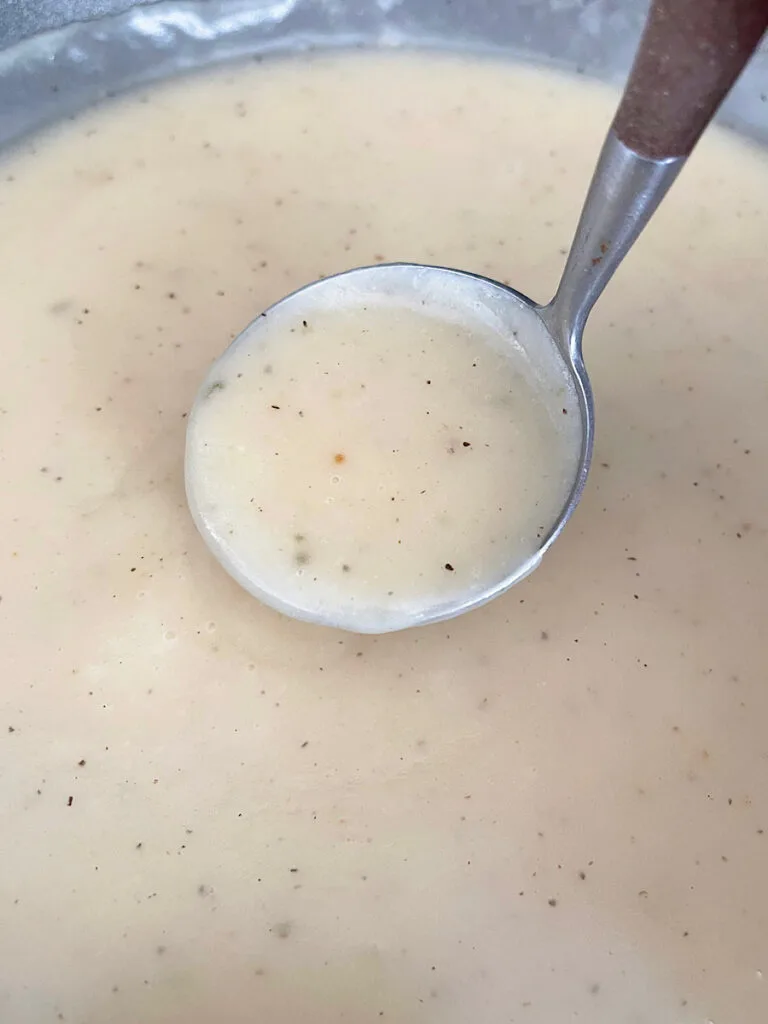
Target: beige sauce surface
553,809
371,454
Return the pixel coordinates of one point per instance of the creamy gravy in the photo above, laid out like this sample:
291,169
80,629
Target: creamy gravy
555,808
366,457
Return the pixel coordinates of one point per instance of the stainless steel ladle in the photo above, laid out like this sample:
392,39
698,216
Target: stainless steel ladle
690,54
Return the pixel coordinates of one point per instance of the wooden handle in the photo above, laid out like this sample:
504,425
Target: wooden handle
690,54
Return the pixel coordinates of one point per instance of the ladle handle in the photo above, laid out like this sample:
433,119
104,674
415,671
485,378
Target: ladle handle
690,54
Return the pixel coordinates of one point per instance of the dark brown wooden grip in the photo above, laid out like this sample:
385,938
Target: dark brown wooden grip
690,54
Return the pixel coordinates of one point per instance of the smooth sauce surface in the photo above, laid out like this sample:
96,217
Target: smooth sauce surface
554,806
368,457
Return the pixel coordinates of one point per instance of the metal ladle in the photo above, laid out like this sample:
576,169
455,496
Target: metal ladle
689,56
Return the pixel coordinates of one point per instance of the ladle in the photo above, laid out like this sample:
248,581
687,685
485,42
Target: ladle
689,56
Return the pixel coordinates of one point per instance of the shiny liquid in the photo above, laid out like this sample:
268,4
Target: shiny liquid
369,458
556,805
